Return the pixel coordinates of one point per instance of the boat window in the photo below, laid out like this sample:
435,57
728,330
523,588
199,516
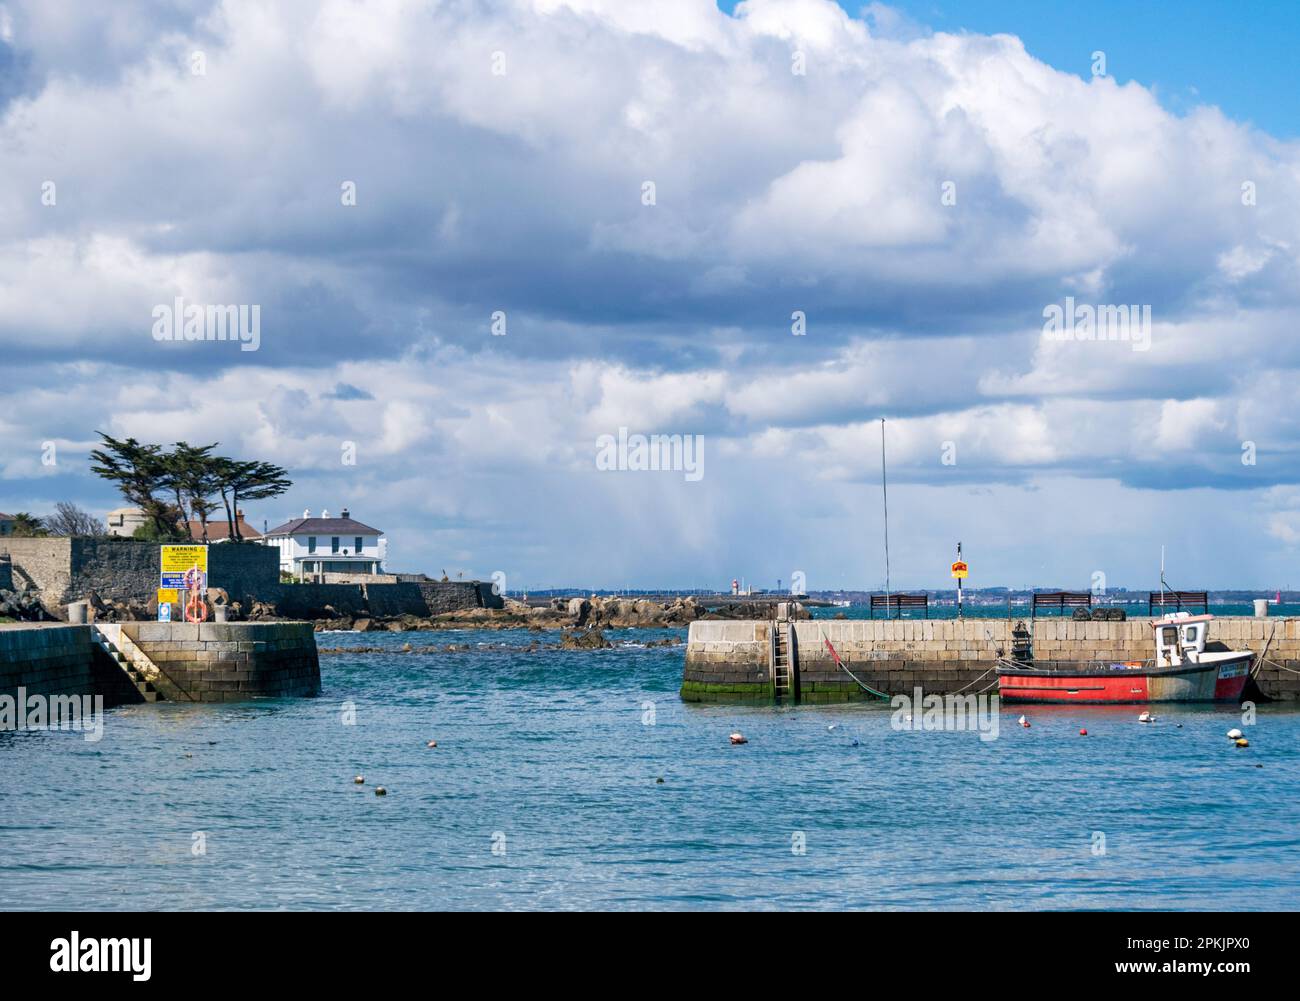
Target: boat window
1169,636
1190,633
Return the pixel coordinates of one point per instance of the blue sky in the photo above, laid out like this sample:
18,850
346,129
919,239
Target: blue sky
1240,57
767,230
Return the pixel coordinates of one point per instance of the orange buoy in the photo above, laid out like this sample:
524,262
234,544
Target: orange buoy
1083,733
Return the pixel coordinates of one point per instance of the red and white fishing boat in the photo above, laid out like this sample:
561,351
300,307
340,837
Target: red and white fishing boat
1185,669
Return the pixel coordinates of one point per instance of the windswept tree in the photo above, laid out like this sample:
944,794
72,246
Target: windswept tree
179,485
191,478
251,481
70,520
140,472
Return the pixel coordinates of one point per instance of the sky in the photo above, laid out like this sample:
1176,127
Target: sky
483,237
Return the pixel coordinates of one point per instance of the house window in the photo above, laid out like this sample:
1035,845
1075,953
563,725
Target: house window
311,543
358,549
334,544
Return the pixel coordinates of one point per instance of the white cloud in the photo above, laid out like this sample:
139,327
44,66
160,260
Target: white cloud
775,192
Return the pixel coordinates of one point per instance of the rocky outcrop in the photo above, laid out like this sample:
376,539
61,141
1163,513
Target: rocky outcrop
592,639
23,605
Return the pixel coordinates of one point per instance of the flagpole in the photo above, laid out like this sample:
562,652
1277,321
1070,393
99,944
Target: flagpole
884,492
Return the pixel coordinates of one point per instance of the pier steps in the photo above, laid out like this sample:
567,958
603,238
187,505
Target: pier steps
133,662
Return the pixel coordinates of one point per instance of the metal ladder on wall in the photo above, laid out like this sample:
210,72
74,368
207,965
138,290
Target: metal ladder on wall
781,661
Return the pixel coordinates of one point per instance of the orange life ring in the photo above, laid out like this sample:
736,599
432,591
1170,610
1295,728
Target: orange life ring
196,610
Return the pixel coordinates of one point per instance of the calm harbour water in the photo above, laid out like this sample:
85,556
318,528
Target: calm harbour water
555,752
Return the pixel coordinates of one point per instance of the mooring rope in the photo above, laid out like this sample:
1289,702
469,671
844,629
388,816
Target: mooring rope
821,631
969,683
1260,659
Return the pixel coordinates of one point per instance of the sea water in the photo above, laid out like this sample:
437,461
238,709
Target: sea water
544,792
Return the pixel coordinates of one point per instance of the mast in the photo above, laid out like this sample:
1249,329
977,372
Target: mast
884,493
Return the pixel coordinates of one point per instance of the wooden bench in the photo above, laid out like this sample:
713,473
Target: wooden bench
1176,601
1060,600
899,602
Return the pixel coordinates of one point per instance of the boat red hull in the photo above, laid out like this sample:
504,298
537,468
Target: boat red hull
1222,681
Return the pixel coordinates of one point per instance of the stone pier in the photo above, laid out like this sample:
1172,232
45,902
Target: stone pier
182,662
732,661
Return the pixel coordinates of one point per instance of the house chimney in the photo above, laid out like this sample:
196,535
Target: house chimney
324,513
344,513
306,513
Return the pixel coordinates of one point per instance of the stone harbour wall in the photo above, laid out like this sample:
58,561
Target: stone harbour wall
728,662
126,570
54,659
186,662
67,570
724,660
229,662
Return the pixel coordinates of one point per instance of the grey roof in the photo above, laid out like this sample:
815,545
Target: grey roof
323,526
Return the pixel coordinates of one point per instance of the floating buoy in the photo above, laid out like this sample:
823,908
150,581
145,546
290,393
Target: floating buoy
831,727
659,781
432,743
1146,718
360,780
1242,742
1234,734
1083,733
380,791
1024,722
739,738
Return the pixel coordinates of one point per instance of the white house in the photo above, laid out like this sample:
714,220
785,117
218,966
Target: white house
327,545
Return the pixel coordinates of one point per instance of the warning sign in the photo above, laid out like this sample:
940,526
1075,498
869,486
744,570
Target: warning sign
178,559
181,565
959,569
168,595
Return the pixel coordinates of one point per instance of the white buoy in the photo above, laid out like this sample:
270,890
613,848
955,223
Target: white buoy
1146,718
739,738
1234,734
1024,722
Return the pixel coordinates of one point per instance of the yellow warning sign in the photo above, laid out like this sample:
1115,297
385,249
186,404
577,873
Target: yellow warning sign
178,559
959,569
168,596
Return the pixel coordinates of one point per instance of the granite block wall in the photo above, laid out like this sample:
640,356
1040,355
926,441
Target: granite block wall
228,662
54,659
947,655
